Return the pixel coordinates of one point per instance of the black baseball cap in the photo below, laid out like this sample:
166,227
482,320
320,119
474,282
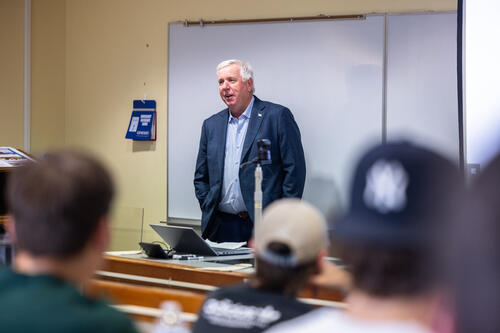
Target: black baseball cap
398,195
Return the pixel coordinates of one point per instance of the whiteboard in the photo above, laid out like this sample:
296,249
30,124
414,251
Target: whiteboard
422,102
329,73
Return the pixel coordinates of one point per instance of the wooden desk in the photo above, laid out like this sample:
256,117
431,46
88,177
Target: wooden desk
170,271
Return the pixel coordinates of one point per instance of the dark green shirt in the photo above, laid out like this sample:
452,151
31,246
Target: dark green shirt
45,303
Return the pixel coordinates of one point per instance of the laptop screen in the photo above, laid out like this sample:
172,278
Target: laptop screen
183,239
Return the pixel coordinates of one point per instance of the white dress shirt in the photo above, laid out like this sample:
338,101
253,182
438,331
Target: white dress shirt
231,197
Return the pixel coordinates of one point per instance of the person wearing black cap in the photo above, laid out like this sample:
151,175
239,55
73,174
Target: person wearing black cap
399,200
290,243
473,255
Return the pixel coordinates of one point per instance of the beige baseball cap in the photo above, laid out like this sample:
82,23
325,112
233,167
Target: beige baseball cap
295,223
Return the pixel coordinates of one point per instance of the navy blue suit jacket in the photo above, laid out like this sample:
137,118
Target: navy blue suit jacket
284,177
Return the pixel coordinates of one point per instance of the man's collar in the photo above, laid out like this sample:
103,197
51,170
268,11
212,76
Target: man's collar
248,111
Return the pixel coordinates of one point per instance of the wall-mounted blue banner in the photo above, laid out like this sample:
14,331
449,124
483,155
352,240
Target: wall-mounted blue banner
142,124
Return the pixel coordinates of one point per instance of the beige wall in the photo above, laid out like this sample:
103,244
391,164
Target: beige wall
47,74
12,73
109,63
48,59
96,56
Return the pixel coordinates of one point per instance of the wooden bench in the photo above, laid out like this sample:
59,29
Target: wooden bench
137,297
154,282
193,287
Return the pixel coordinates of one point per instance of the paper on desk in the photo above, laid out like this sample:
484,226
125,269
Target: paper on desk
228,268
226,245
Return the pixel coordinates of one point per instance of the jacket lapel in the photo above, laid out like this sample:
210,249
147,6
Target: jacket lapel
221,129
253,127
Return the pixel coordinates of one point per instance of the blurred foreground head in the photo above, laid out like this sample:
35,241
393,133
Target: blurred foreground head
400,199
475,255
58,203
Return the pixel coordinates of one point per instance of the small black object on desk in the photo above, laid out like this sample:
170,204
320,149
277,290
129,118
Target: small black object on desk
155,251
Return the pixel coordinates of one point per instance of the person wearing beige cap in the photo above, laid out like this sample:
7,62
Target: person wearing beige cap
290,243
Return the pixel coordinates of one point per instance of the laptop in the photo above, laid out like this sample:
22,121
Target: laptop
187,240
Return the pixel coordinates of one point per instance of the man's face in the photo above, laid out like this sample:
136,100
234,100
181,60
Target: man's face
233,91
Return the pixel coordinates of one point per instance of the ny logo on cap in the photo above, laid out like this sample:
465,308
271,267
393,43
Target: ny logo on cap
385,189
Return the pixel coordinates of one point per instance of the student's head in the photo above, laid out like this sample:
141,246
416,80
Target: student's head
399,200
290,241
59,204
474,257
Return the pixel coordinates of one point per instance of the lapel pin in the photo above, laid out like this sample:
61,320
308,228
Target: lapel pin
260,115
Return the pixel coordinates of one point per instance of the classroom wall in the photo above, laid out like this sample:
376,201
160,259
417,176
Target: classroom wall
48,27
48,59
116,51
12,73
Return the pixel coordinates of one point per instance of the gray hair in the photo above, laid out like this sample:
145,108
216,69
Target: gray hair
246,70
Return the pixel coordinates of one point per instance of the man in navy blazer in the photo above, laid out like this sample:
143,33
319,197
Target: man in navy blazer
229,138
